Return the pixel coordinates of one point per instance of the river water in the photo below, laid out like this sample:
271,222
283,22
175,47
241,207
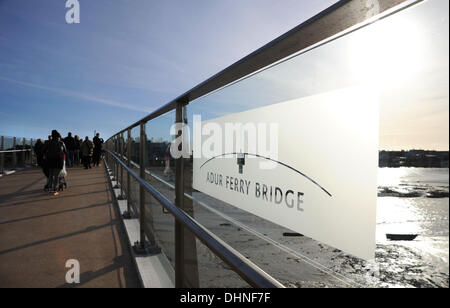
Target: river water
416,201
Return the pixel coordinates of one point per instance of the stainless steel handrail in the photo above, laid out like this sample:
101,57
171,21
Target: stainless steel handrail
14,151
250,272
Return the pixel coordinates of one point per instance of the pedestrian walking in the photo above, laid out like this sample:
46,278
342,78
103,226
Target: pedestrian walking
54,153
69,141
86,152
98,144
45,167
39,151
76,153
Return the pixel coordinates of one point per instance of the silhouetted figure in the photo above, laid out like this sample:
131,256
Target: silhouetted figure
69,141
45,168
54,153
76,152
86,152
98,143
39,151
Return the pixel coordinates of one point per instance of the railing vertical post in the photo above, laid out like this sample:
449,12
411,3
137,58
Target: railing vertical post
108,156
186,265
23,152
121,168
31,151
111,148
142,164
2,155
116,165
128,174
113,164
179,230
113,168
14,154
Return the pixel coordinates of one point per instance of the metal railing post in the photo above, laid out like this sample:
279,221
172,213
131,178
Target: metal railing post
128,174
142,246
112,160
141,188
14,154
116,165
108,160
2,155
23,152
108,156
113,166
111,145
179,230
121,169
186,266
31,151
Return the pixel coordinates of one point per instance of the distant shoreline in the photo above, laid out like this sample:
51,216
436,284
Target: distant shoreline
413,158
413,167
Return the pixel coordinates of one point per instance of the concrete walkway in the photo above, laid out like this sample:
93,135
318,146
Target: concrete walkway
40,232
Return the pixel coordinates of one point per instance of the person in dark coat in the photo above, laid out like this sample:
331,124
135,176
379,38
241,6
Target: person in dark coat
54,153
69,141
97,149
45,168
86,152
38,150
76,153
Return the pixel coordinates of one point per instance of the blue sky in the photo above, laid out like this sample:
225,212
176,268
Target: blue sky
124,59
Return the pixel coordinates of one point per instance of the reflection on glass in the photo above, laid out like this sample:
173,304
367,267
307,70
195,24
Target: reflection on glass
160,163
135,141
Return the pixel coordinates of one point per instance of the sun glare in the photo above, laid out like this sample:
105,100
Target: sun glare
387,52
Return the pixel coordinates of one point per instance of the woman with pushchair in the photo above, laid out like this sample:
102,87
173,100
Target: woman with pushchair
54,152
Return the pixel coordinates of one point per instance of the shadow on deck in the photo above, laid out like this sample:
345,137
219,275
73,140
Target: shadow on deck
40,232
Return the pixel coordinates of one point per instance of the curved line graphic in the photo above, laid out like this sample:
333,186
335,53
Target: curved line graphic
278,162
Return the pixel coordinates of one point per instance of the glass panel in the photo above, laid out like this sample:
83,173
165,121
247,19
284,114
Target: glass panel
134,187
135,141
27,155
161,164
210,270
134,196
404,59
8,143
161,228
160,174
124,173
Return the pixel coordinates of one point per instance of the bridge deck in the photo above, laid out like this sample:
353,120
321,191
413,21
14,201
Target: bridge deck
40,232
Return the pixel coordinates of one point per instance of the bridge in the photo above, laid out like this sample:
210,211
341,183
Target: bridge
130,222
